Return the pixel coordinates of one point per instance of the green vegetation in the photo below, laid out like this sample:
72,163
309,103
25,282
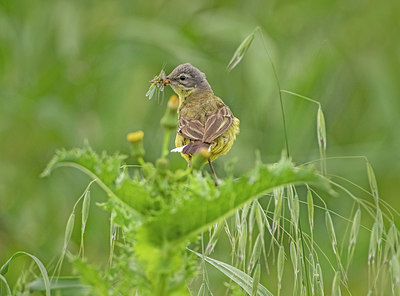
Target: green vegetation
80,70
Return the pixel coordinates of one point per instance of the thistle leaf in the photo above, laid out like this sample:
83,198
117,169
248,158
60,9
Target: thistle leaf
183,223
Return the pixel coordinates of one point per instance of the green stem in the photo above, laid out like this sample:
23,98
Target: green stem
300,96
165,150
161,286
308,280
279,90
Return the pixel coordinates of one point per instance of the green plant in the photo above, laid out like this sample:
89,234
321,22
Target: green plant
160,211
164,216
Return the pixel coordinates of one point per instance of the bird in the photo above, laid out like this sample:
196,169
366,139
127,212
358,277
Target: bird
204,120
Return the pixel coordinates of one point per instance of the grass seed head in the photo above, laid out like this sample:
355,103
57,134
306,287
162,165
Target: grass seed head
319,280
391,241
321,128
278,209
310,206
331,231
373,243
252,217
372,183
293,256
255,256
243,236
68,230
85,209
280,263
260,219
355,227
240,52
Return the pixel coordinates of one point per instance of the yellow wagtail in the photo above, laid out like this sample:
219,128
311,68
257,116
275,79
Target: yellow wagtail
204,121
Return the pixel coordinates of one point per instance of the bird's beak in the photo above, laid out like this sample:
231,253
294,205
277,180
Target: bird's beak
167,81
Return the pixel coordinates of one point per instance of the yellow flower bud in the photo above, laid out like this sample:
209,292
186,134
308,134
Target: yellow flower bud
162,165
170,118
200,158
135,137
173,103
136,144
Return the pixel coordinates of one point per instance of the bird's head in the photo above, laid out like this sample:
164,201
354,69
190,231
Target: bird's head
185,79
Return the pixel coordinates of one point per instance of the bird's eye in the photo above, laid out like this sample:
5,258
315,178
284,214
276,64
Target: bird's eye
182,77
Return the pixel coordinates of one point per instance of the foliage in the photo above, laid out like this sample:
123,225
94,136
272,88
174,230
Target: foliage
75,70
154,209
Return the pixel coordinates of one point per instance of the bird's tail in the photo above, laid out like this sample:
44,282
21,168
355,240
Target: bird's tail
192,147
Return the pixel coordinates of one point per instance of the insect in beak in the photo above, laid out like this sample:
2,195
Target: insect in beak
167,81
157,85
161,80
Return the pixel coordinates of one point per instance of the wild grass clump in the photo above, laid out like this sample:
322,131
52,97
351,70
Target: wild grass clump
171,223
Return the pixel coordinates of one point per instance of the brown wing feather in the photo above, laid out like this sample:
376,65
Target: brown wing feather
194,146
217,123
191,128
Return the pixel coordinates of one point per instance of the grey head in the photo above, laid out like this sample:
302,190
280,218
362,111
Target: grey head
186,77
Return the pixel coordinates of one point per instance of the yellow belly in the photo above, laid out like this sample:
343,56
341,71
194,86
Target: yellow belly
221,145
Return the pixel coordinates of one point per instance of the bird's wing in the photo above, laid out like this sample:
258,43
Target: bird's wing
217,123
191,128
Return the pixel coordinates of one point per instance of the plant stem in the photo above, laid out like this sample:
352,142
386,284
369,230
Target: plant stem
279,90
161,286
164,151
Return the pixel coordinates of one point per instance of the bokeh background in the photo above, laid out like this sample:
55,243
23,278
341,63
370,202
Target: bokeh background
76,70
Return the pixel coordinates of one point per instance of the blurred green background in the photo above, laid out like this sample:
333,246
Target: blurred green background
76,70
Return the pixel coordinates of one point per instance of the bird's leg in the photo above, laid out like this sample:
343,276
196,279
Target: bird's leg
213,172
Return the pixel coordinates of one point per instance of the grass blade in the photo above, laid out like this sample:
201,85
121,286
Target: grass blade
256,280
236,275
202,290
61,284
42,269
3,279
336,285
